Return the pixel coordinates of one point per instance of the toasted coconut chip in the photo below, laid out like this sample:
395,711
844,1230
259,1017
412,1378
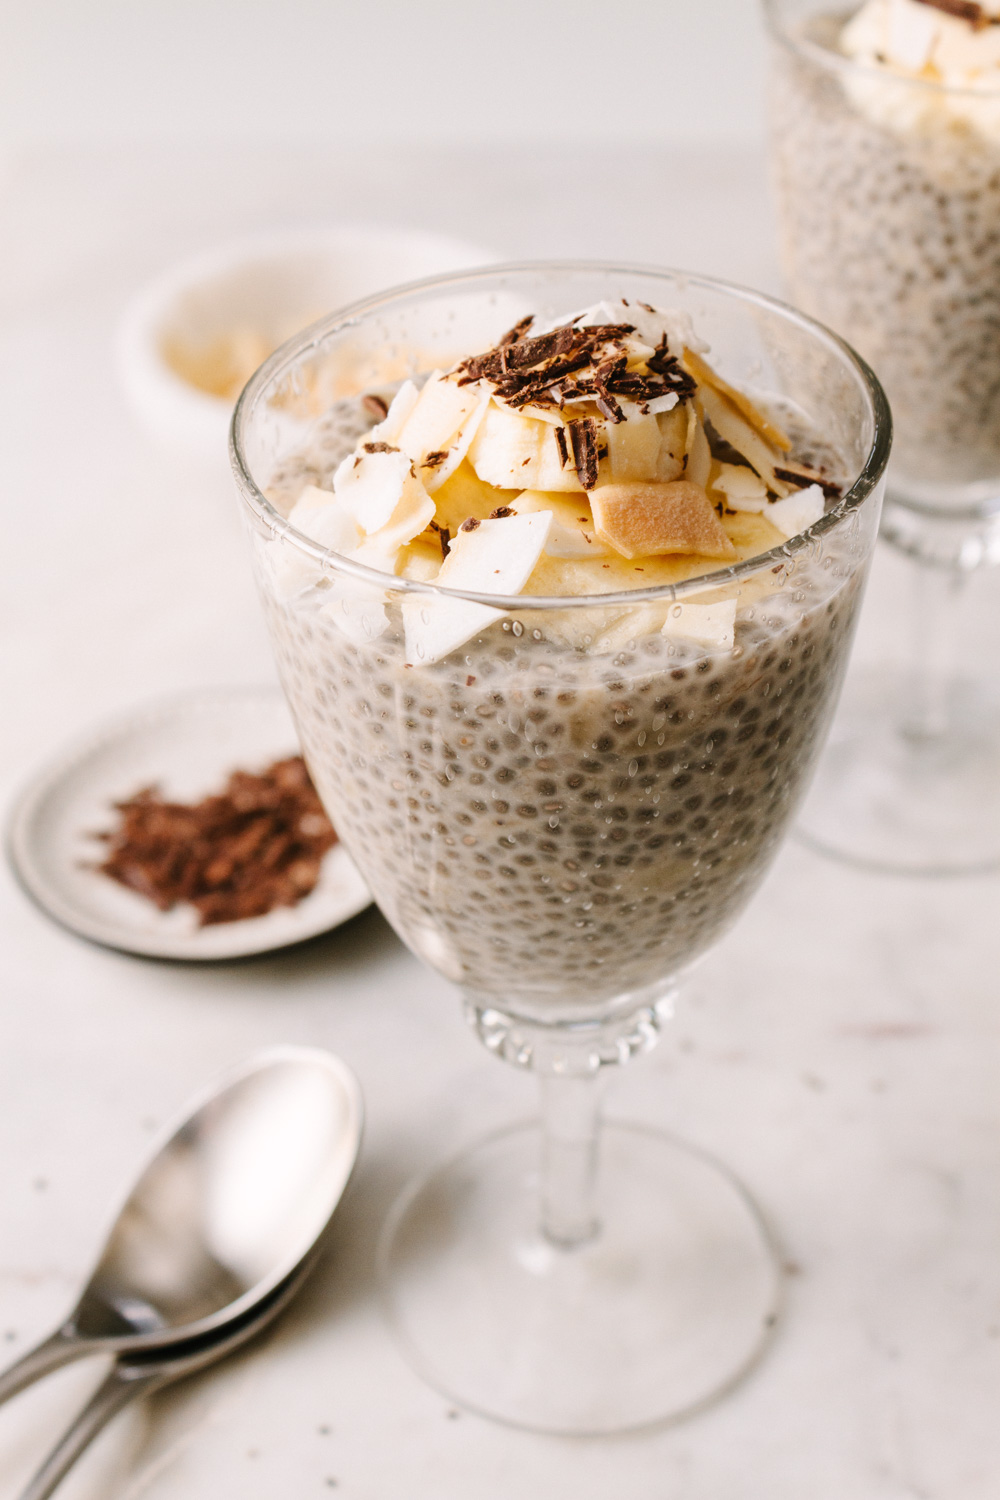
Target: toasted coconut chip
648,520
705,375
737,432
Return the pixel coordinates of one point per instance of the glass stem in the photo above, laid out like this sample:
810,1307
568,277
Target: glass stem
571,1123
928,714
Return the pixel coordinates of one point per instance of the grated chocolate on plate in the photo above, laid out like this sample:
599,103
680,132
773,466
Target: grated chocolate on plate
238,853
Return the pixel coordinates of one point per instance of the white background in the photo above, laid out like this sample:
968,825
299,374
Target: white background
455,72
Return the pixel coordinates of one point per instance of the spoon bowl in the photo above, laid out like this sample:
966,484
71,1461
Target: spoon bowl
231,1201
140,1374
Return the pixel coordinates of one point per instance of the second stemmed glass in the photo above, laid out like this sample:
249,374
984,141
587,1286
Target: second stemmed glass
560,817
888,190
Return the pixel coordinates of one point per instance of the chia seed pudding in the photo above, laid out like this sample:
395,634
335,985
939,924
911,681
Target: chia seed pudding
542,824
888,190
568,804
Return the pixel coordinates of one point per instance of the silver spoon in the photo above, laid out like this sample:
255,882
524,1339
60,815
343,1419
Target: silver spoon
227,1208
134,1375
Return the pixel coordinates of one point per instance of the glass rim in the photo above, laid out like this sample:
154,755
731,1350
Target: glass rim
310,338
839,62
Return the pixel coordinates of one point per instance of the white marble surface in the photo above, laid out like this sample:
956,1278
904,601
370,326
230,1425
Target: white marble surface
840,1048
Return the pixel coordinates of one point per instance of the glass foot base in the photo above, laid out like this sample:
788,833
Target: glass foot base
884,800
662,1311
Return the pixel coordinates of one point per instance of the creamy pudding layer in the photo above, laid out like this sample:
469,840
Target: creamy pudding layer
888,177
567,803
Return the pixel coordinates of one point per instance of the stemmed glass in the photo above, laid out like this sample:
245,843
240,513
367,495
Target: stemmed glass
888,194
560,817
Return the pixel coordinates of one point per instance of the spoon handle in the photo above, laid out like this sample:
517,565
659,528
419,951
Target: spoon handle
115,1393
58,1349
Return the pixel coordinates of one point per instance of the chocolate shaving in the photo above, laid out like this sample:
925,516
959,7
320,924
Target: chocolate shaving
375,405
240,853
515,334
525,369
583,437
571,364
803,477
378,448
606,403
723,450
470,525
443,536
965,10
500,512
662,362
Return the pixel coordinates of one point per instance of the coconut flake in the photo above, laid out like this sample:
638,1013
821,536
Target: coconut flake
438,430
383,495
402,405
493,557
794,514
742,488
708,624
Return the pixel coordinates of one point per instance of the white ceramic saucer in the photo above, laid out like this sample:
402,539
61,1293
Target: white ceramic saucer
187,746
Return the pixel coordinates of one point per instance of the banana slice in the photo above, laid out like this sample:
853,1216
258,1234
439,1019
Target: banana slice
699,455
572,531
515,452
464,494
751,533
672,457
633,445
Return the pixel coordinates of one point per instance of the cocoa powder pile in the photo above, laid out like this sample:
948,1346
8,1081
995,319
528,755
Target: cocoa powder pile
254,846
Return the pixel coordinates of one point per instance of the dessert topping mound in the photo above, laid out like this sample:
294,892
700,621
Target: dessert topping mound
950,42
240,853
595,455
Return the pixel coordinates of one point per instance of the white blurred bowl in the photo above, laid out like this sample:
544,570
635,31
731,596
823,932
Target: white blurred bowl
266,286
